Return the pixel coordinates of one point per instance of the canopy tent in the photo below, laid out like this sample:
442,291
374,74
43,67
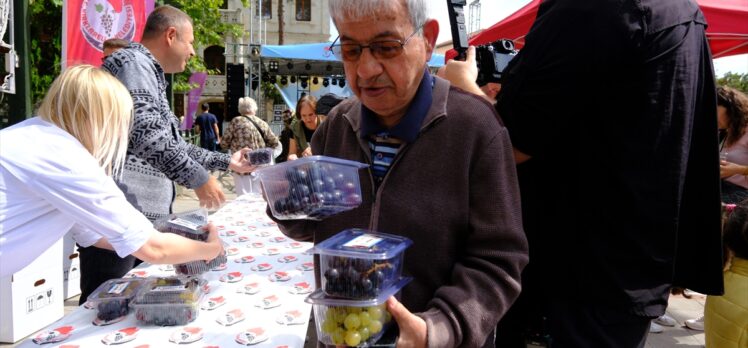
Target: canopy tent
727,31
314,59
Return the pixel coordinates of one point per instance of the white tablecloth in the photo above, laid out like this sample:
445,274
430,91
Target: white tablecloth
243,225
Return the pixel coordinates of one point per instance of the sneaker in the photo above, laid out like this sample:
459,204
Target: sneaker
666,320
655,328
696,324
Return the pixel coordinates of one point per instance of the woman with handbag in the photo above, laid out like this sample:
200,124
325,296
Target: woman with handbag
247,130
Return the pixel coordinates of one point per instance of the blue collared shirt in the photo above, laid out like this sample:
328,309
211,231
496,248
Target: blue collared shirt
410,125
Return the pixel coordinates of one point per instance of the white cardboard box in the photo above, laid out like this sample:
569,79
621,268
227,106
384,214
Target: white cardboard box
71,268
31,298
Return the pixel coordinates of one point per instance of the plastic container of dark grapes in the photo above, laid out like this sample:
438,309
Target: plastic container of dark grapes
112,298
190,225
261,157
168,301
353,323
313,187
359,264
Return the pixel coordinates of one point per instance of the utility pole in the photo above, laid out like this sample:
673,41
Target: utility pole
281,22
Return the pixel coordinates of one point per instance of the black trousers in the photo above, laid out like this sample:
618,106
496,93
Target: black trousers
570,324
99,265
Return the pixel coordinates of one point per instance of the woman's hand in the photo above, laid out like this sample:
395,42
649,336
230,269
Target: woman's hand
239,162
728,169
307,152
213,240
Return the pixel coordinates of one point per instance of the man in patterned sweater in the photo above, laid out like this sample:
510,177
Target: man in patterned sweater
157,156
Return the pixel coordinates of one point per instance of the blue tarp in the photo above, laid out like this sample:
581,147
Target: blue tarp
319,52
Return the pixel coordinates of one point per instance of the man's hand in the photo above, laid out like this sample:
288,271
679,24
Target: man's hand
412,327
210,194
463,74
239,162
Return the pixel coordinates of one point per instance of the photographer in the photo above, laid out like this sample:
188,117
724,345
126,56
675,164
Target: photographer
611,110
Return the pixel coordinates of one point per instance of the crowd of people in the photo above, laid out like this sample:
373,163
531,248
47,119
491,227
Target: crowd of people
543,210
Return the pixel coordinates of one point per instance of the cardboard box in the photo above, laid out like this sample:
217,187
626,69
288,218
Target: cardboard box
71,269
31,298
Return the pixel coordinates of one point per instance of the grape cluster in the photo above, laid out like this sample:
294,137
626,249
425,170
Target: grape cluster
107,22
317,191
356,278
169,301
353,326
260,157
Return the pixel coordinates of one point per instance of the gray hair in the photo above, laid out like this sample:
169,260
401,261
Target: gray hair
360,9
247,105
162,18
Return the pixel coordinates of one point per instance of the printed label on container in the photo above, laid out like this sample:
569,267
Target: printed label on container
186,223
118,288
172,288
364,241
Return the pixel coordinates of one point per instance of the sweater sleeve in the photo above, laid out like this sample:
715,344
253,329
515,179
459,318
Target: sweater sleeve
154,136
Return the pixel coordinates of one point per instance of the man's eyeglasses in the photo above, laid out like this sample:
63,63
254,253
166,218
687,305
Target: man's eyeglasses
384,49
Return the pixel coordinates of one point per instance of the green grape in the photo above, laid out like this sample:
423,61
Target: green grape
375,313
340,314
352,338
365,318
375,326
329,326
364,332
338,337
352,321
330,314
355,309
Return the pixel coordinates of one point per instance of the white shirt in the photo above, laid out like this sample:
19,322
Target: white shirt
48,183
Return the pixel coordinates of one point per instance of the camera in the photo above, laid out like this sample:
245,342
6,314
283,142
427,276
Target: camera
491,58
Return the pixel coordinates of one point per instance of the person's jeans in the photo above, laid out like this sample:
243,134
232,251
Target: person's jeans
208,144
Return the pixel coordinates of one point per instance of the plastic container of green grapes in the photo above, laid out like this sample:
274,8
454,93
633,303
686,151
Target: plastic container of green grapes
353,323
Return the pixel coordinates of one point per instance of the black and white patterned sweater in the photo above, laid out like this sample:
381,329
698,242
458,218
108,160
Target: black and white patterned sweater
157,156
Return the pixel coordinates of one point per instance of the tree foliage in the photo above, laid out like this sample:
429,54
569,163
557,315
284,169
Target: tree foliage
46,39
46,45
208,30
737,81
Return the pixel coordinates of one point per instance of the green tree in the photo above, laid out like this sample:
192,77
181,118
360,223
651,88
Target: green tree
734,80
45,46
209,30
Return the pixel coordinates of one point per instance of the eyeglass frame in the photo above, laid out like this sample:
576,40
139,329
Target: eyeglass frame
361,47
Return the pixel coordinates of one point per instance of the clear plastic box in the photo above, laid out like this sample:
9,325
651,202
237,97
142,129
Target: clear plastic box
359,264
112,298
261,157
168,301
190,225
353,323
312,187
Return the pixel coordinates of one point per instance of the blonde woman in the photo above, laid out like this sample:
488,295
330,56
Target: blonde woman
56,175
247,131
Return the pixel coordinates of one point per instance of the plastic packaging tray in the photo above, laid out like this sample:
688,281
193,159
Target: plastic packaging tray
112,298
353,323
359,264
312,187
261,157
168,301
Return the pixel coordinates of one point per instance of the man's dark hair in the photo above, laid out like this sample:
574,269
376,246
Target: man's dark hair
116,43
206,106
162,18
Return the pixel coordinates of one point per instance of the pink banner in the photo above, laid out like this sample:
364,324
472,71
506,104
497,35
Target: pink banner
193,98
86,24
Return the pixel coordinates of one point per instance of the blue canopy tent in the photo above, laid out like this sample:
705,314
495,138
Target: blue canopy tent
313,59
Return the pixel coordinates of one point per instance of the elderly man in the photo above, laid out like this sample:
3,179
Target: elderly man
156,154
442,174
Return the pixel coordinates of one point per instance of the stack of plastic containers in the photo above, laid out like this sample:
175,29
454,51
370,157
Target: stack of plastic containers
190,225
168,301
312,188
360,270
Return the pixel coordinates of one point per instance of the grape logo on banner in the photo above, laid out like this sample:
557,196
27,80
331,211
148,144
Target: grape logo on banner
102,20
